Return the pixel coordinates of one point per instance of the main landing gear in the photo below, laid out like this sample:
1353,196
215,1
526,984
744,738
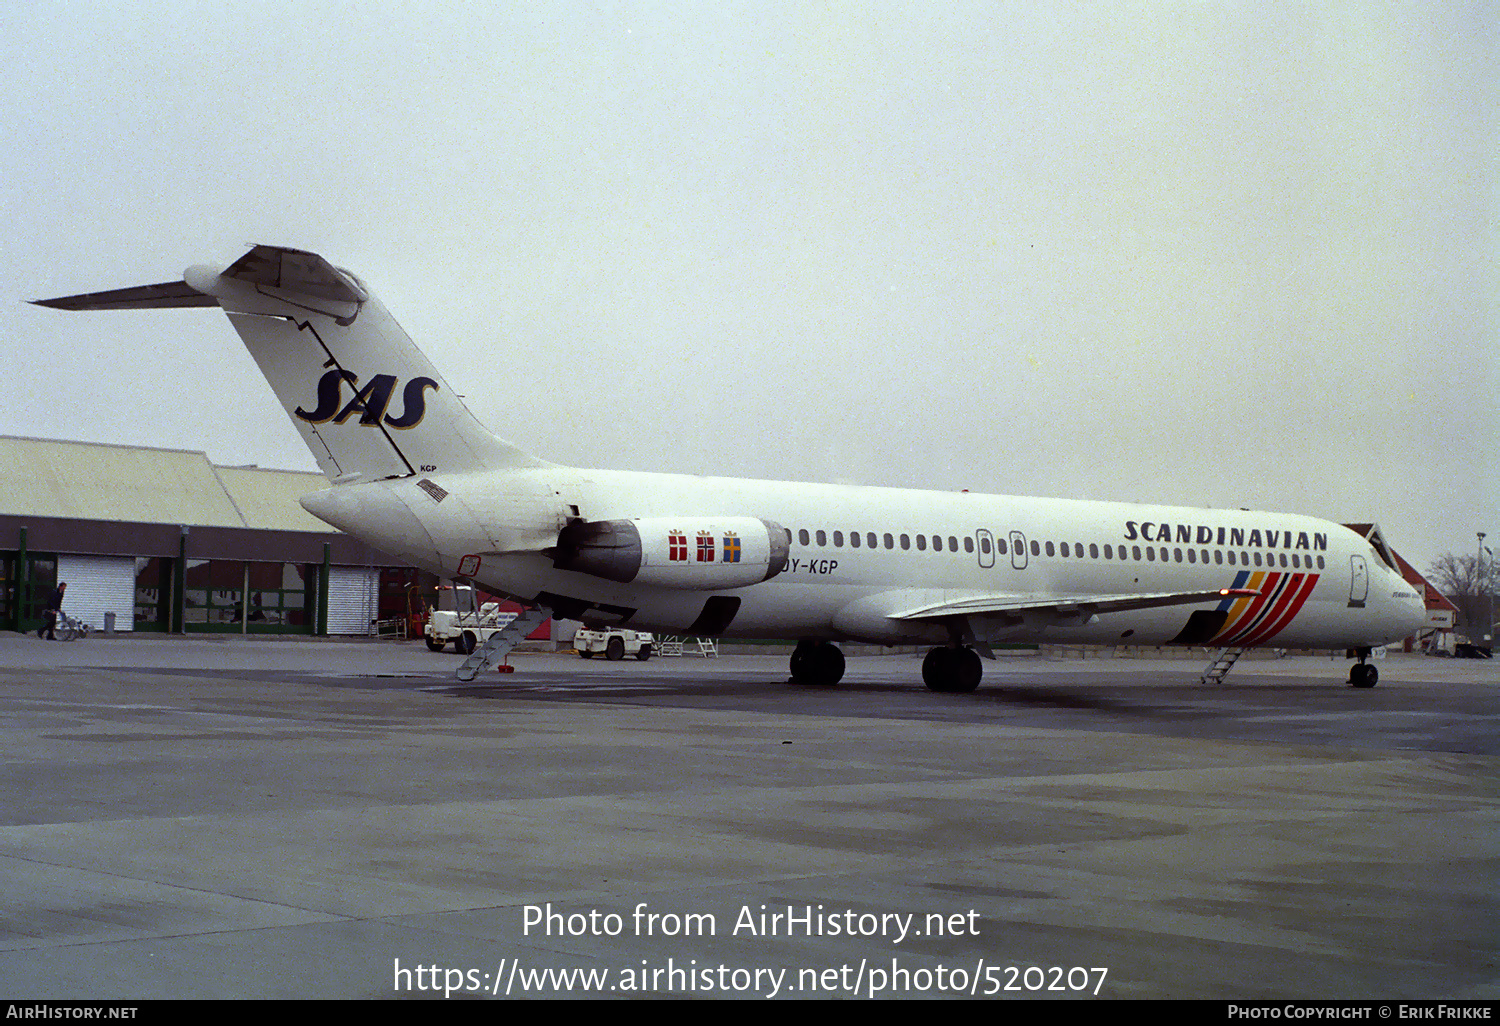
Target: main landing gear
817,662
952,668
1362,674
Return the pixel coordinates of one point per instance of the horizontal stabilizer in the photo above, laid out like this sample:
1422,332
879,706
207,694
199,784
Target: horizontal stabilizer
364,398
295,270
140,297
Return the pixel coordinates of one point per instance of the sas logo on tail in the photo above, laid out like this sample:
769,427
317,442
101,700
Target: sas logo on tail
369,402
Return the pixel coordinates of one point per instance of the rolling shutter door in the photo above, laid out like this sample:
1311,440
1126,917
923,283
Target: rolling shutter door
99,585
352,595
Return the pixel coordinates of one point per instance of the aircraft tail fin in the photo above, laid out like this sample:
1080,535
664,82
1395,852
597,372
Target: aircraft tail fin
367,402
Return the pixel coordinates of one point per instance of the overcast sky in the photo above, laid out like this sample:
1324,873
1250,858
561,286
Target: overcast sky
1223,254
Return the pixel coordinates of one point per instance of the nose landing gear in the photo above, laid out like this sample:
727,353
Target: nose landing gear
1362,674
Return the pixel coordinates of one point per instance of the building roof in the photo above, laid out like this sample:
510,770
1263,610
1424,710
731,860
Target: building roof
96,481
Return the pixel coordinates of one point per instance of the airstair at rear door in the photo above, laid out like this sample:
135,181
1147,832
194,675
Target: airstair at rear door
500,644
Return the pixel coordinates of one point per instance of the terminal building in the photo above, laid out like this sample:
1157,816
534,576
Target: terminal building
164,540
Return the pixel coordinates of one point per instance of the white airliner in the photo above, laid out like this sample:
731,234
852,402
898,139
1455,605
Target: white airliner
417,476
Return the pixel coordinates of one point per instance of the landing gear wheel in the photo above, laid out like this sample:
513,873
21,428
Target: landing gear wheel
802,662
952,669
937,668
817,662
466,642
967,671
1363,675
615,650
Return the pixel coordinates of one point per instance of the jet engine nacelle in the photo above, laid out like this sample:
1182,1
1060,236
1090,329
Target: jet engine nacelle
694,553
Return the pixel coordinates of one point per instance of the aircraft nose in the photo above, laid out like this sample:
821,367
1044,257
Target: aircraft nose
1416,614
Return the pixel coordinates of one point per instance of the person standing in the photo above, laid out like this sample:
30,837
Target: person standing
54,607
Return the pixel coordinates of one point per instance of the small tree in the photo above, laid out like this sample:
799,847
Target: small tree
1470,585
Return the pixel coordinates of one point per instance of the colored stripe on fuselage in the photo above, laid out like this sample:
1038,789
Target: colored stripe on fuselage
1254,621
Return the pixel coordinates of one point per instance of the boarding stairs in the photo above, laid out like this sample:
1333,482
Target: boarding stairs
667,645
1223,662
498,648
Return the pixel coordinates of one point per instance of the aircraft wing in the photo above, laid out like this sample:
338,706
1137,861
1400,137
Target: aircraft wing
1017,607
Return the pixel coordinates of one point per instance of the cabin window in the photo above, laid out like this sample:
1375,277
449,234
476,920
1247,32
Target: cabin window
1036,548
870,539
802,536
854,539
838,539
1093,550
952,544
921,543
1135,553
1320,562
822,537
1218,557
1176,555
1064,548
906,541
968,544
890,542
1000,546
1051,549
1150,554
1192,556
937,543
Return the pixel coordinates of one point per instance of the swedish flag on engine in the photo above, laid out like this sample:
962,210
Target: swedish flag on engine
731,547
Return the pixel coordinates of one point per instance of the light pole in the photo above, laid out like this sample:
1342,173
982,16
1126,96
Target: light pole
1482,582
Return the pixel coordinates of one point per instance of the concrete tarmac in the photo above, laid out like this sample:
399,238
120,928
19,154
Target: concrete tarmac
227,817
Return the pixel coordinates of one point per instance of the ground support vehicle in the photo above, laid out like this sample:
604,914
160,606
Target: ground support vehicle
615,642
463,626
